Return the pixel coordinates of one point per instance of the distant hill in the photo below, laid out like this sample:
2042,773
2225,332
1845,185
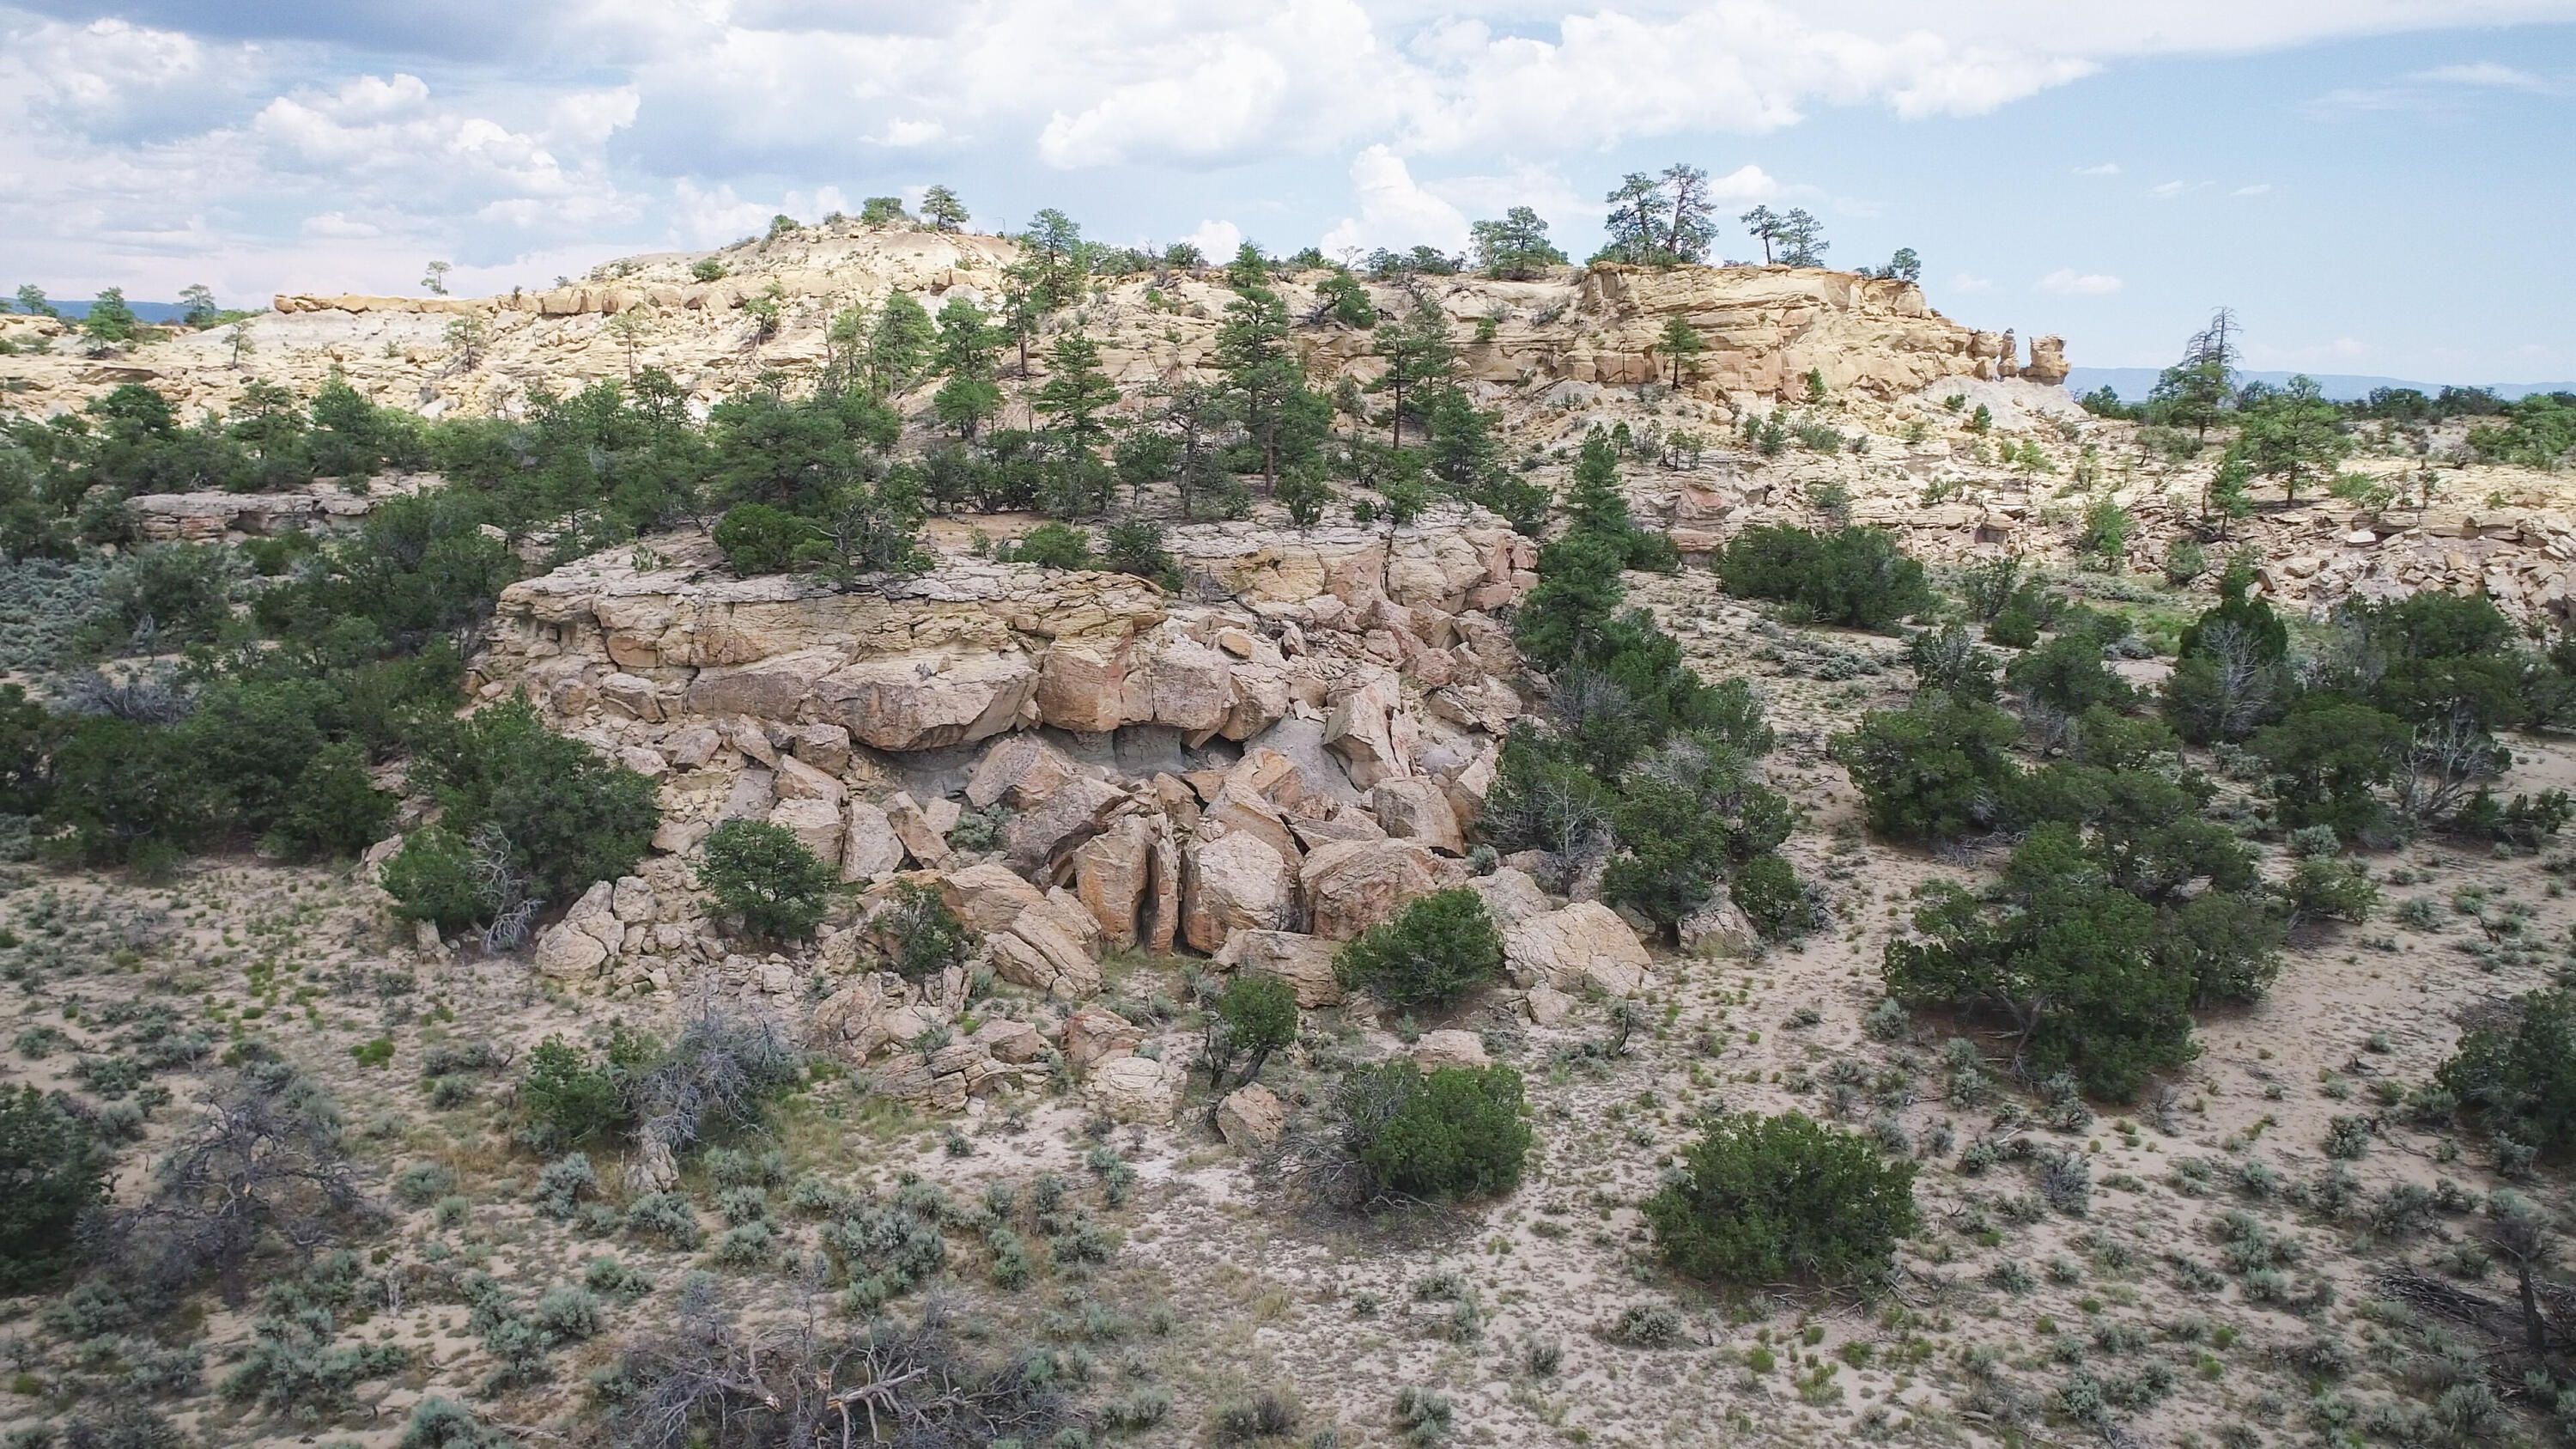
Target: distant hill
170,312
2134,383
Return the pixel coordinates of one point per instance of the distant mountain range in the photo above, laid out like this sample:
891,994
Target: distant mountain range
2134,383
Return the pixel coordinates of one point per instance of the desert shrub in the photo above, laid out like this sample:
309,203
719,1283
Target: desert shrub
1268,1414
167,594
294,1367
920,935
720,1073
2064,956
1457,1131
438,1423
1054,546
669,1216
563,1183
756,538
1443,946
1947,659
1934,770
1855,576
120,1426
2514,1073
1255,1016
1773,898
52,1172
2322,887
763,876
424,1183
1544,798
1648,1325
1136,547
2326,756
1763,1199
432,878
568,1096
888,1248
2066,675
1687,811
568,817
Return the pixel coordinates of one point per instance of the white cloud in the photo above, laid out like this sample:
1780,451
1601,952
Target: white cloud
1216,240
1744,183
2168,190
1967,282
2067,282
1394,212
2483,73
332,226
2107,168
905,131
2259,188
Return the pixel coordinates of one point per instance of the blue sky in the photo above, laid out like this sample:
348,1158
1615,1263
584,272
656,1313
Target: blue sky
2376,185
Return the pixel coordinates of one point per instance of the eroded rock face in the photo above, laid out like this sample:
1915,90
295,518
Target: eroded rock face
1137,1089
1351,885
1585,945
1251,1117
1304,962
1234,883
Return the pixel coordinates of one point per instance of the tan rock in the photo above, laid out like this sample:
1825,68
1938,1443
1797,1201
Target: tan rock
567,952
1304,962
1163,889
1234,883
1095,1034
816,824
988,897
1137,1089
1020,770
1251,1117
752,794
690,749
1511,895
824,746
1015,1042
870,850
636,697
797,780
909,703
913,828
1418,809
1351,885
1111,874
1039,837
1449,1047
1584,946
1361,731
1546,1006
1720,929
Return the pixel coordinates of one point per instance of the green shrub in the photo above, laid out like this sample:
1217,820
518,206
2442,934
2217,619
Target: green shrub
1457,1131
1054,546
2515,1074
1855,576
758,539
763,876
1255,1016
1442,947
1935,770
1772,897
2017,627
1686,813
1767,1199
2066,675
920,935
567,1097
1136,547
569,817
334,808
431,878
52,1172
2327,755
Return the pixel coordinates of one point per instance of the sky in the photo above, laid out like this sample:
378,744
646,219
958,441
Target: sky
2376,186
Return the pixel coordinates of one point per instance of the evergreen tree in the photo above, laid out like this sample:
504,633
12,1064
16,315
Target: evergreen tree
897,346
1076,392
1802,239
2196,391
1687,224
1764,224
967,353
1515,248
110,320
941,208
2293,436
1679,343
31,300
1637,219
200,300
1419,357
1265,386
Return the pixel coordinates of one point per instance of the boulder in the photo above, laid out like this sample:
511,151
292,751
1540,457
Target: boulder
1110,875
1584,946
1163,889
871,850
824,746
566,951
752,794
1021,770
690,749
1304,962
1546,1006
1361,731
1720,929
1352,885
1511,895
988,897
1137,1089
797,780
631,900
1233,883
1449,1047
1040,836
1015,1042
1251,1117
1418,809
913,702
911,826
1095,1034
816,824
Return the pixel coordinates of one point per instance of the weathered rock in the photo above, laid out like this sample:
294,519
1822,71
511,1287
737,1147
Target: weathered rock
1511,895
988,897
567,952
1304,962
1038,837
816,824
1111,875
1720,929
1251,1117
1449,1047
1418,809
1137,1089
751,796
1015,1042
1163,890
1351,885
911,826
1583,946
1095,1034
1546,1006
1020,771
871,850
797,780
908,703
631,900
690,749
1234,883
824,746
1361,731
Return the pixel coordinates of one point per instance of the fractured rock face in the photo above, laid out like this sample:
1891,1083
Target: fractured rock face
1586,945
816,824
871,850
1021,771
1351,885
1304,962
1137,1089
916,704
1231,884
1039,837
1251,1117
1111,875
1418,809
1449,1047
